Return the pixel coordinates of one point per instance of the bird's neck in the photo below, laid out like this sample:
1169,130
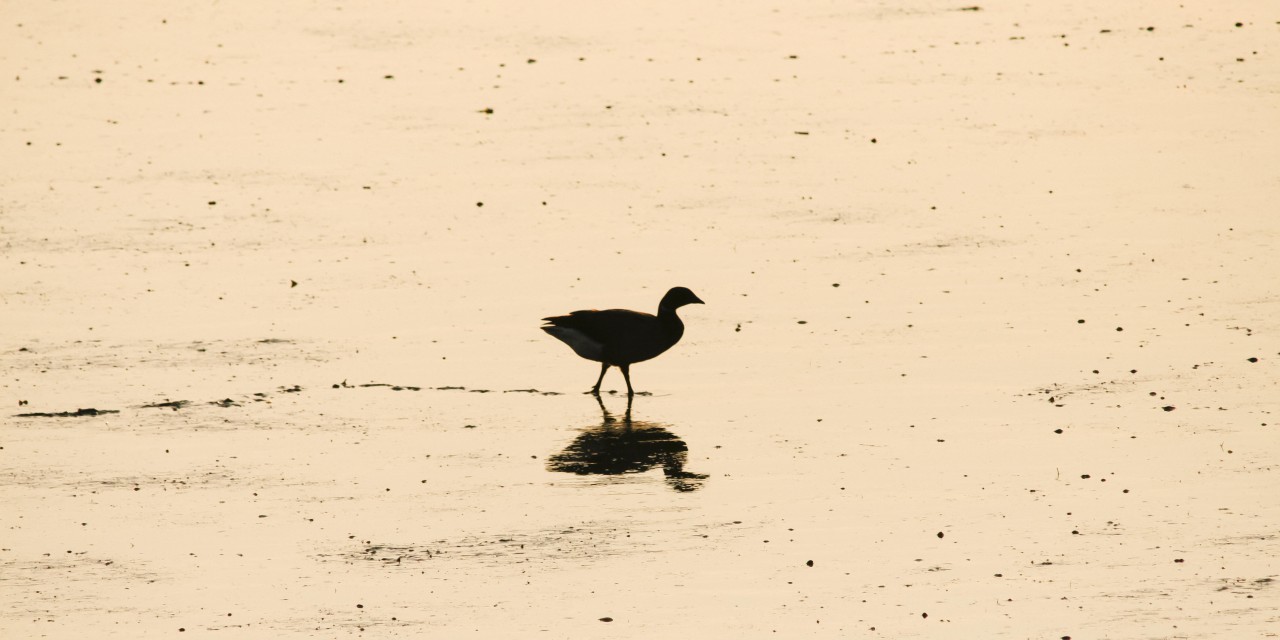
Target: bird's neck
670,322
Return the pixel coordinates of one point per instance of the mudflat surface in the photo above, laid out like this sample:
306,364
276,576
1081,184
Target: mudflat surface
989,350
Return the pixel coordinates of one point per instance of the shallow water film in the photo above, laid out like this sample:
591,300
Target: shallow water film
988,350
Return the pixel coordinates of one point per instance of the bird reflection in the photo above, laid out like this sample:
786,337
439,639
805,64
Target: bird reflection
628,446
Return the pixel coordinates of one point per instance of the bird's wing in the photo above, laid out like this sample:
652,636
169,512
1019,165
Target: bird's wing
607,325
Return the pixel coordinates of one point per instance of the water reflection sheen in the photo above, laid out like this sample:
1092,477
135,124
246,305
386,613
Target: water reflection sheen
616,447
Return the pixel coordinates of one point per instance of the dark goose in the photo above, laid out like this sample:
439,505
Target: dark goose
619,337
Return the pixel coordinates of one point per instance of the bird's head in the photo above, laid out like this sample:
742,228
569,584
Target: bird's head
678,297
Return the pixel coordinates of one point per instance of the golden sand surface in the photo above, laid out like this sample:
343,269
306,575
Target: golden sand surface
990,347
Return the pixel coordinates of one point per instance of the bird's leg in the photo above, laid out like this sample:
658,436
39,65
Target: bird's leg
604,366
626,374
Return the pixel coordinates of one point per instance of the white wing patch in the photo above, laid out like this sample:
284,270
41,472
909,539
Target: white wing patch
581,343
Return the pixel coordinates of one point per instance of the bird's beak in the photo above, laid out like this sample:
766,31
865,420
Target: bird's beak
697,300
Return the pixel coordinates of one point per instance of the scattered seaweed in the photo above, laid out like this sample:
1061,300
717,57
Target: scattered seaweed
78,413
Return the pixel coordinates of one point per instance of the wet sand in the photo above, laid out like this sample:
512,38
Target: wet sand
989,350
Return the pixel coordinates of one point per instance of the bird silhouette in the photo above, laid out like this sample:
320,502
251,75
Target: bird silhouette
619,337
